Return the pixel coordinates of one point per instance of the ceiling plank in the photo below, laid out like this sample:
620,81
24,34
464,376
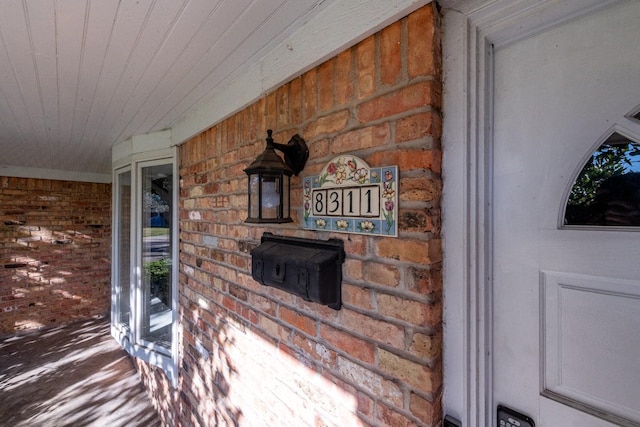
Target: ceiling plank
20,87
42,32
123,39
167,87
71,22
99,30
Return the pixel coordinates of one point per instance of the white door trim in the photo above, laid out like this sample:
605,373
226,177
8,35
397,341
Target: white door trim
472,30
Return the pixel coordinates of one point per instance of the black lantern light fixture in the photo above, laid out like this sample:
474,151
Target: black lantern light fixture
269,180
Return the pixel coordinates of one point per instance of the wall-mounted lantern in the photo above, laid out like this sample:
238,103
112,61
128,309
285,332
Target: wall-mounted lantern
269,180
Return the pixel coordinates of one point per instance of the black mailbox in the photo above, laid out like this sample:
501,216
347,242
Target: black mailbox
311,269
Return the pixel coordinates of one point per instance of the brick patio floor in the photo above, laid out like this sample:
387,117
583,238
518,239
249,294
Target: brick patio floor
74,375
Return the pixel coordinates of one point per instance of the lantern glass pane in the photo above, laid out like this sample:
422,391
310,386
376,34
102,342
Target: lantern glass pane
254,196
285,196
270,196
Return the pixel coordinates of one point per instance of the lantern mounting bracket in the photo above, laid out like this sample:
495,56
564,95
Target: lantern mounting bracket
296,152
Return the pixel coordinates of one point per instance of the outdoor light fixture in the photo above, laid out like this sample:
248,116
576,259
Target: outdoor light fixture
269,180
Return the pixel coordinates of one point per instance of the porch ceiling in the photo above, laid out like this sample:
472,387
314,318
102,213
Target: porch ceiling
78,76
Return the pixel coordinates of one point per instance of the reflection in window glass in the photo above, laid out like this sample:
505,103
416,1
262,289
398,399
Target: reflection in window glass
607,190
124,243
157,205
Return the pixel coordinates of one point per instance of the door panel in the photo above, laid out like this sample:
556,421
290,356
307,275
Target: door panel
582,319
566,303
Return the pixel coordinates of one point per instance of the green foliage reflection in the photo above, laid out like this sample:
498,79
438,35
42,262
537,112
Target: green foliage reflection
607,190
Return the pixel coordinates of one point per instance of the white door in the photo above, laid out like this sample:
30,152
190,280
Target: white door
566,301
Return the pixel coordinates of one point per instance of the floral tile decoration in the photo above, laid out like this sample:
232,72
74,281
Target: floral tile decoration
348,196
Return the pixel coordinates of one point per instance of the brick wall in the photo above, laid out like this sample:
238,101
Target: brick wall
256,356
55,251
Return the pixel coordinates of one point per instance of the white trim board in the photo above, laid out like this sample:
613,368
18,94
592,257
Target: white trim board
472,30
53,174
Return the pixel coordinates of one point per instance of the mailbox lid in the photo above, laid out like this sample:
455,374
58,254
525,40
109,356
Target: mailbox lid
316,259
301,251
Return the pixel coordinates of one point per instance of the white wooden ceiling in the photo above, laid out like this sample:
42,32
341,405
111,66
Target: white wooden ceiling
78,76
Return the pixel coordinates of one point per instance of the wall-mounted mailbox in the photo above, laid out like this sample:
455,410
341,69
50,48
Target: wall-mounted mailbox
311,269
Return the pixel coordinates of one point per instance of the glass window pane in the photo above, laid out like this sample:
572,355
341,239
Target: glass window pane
607,190
123,292
157,208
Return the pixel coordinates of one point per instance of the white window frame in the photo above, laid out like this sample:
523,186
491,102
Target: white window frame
130,338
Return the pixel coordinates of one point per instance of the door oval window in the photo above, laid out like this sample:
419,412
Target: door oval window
607,189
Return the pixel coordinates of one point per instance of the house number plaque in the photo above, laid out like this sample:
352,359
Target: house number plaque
350,197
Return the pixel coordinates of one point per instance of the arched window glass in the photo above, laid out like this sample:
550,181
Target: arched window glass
607,190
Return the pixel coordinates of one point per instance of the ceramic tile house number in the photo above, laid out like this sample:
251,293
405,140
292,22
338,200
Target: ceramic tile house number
348,196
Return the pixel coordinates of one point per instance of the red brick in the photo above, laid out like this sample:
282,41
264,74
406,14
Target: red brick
352,269
31,285
295,101
425,281
356,296
420,189
369,137
262,303
388,417
310,94
355,245
260,116
414,251
422,39
377,330
414,312
355,347
415,97
426,346
423,409
315,350
271,111
297,320
365,404
418,376
419,126
282,105
325,85
391,54
366,67
329,124
408,159
319,148
241,129
228,135
273,329
365,379
382,274
344,87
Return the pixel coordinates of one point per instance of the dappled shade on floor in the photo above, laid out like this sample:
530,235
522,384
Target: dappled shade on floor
73,375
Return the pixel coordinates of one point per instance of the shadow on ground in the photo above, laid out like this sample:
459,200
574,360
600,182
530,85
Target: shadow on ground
71,376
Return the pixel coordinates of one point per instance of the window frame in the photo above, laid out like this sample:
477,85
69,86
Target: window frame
131,337
627,128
